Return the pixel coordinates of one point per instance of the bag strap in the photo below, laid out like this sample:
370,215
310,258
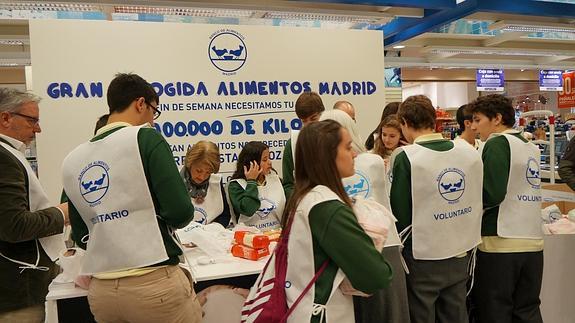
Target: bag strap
306,289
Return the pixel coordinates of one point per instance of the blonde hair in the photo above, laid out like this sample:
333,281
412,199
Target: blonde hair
203,152
391,121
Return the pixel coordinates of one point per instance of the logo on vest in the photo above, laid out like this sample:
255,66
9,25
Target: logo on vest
200,215
227,51
532,173
359,185
288,284
451,184
266,207
94,182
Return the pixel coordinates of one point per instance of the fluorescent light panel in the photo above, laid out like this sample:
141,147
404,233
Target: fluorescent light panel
196,12
531,27
323,17
497,51
47,6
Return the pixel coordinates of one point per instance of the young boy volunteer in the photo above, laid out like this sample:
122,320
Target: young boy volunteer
436,197
308,108
126,197
509,266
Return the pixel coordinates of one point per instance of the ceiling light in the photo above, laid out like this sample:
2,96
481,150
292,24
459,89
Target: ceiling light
456,50
196,12
323,17
11,42
531,27
399,46
43,6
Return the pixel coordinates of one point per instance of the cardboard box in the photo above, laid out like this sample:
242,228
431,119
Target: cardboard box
560,195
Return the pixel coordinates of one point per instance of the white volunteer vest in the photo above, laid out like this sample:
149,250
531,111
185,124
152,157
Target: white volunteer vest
213,204
446,200
293,136
38,200
478,143
300,271
520,212
106,182
272,204
370,181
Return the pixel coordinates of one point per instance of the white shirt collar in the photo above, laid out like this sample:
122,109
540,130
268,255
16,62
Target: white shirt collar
20,146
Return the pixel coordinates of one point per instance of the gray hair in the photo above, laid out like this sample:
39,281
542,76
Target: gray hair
12,99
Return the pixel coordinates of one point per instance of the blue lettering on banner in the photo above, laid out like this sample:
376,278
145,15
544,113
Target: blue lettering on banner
63,90
186,89
115,215
180,89
346,88
452,214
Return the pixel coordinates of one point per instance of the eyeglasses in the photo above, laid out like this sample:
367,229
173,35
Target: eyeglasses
32,120
157,112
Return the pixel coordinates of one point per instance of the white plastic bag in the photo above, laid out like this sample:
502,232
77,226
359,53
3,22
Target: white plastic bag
375,221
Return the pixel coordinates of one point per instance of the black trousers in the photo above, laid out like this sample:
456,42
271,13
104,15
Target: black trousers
436,289
507,287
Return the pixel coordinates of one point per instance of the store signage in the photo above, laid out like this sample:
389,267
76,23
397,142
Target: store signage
551,80
490,80
566,98
229,84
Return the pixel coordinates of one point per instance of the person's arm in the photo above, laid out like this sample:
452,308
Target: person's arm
168,191
247,201
567,165
400,193
287,170
224,217
496,162
79,228
17,223
349,247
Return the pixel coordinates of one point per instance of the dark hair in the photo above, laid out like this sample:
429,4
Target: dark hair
390,109
127,87
102,121
463,113
315,157
493,104
308,104
252,151
417,112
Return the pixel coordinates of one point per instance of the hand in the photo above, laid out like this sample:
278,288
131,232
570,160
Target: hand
64,208
253,172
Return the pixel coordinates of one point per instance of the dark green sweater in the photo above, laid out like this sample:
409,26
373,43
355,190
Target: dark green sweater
338,236
401,194
287,170
496,162
169,194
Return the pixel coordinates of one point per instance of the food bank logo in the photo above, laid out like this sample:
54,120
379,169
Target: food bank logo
227,51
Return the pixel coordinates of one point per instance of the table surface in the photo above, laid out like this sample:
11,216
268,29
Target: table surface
225,267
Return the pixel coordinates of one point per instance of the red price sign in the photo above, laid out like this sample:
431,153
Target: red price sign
567,96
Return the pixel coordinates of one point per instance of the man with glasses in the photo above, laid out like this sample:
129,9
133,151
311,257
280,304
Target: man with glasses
30,227
126,196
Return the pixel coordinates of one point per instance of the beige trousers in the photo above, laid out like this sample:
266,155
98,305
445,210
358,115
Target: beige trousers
164,295
32,314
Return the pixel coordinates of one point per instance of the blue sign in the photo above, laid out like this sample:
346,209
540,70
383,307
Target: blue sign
551,80
490,80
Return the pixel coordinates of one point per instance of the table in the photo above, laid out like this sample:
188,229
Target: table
227,266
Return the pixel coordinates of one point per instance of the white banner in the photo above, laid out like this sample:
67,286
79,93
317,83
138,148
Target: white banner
227,84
